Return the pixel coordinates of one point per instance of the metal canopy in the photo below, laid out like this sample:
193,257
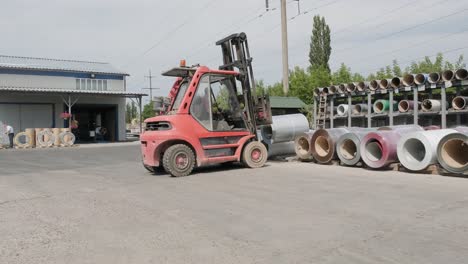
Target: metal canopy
180,72
75,92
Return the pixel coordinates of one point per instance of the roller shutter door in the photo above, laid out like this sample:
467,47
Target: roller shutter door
22,116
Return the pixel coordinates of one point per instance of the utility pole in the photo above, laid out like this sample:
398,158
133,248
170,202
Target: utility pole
284,38
150,77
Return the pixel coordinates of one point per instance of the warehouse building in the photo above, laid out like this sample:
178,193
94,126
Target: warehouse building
36,92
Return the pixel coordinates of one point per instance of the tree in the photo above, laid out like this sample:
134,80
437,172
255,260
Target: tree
342,75
128,113
148,111
320,48
396,68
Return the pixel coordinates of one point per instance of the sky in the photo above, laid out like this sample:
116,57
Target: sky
139,35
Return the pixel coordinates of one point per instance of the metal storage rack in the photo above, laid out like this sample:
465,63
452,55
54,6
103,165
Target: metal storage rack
391,115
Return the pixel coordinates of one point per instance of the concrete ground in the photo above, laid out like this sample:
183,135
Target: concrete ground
98,205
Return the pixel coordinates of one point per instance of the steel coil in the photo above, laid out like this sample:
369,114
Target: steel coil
407,105
379,149
302,145
342,110
45,138
22,140
323,143
416,151
359,109
460,102
284,128
452,152
430,105
461,74
421,78
348,146
67,139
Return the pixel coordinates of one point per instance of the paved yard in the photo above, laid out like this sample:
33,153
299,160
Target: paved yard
98,205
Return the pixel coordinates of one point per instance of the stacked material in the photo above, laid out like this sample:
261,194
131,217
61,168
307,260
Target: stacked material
302,145
408,80
379,149
348,145
416,151
382,106
405,106
323,143
342,110
452,151
360,109
460,103
279,137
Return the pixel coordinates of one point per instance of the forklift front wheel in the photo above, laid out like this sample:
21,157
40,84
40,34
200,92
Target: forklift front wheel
179,160
254,155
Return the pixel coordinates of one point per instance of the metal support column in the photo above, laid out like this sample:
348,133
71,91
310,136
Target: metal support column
416,110
369,110
315,112
349,110
332,114
458,116
390,110
140,105
443,103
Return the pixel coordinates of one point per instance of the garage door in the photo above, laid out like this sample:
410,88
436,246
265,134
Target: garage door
22,116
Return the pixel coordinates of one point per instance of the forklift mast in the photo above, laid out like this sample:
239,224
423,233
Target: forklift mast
236,54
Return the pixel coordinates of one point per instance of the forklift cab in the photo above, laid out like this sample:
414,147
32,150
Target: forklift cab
215,103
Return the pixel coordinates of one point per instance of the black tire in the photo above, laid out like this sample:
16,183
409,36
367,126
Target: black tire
254,155
179,160
154,170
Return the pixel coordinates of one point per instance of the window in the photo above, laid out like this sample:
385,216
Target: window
201,104
91,84
99,85
180,95
216,105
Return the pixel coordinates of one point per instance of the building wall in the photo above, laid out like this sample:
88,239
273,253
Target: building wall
52,82
60,107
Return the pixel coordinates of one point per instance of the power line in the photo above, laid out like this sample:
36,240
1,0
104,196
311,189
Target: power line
374,17
409,28
171,33
433,55
250,20
425,41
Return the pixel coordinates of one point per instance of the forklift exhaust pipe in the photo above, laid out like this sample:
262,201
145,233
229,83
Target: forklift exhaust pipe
374,85
408,80
434,77
362,86
461,74
448,75
460,102
384,84
350,87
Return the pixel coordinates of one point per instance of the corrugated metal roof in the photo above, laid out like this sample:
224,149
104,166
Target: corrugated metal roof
286,102
29,63
64,91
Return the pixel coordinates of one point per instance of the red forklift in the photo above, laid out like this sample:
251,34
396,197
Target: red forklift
212,118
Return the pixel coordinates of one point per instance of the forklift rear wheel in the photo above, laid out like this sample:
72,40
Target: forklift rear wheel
254,155
179,160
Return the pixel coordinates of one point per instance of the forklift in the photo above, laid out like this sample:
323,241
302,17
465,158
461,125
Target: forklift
212,116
